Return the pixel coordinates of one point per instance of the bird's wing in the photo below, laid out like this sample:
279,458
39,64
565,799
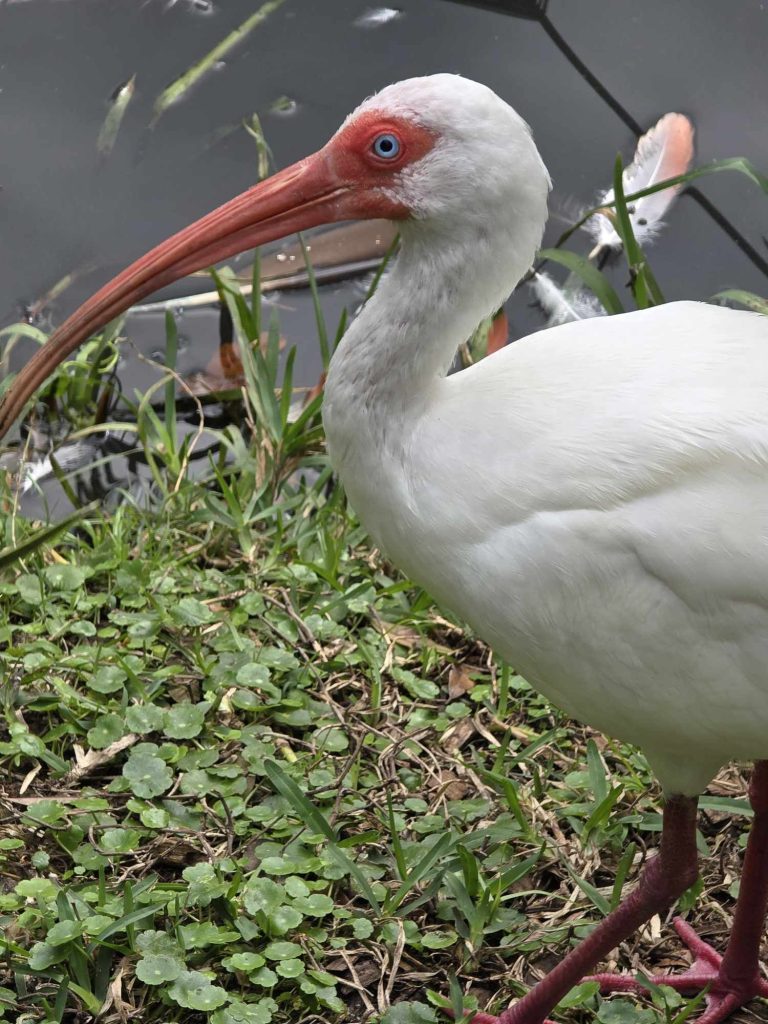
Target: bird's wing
657,420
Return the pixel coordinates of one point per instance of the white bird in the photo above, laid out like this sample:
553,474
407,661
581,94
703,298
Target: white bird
593,499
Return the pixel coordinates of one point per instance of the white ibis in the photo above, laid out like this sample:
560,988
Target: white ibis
593,500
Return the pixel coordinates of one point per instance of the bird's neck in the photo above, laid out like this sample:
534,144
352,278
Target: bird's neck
389,365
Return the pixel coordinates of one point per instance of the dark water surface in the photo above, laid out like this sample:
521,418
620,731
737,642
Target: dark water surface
63,207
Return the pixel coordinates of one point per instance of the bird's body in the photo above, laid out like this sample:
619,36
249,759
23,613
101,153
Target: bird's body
593,500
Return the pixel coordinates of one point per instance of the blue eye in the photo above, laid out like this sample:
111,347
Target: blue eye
386,146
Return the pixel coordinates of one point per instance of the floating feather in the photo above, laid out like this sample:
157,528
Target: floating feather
665,151
377,16
563,303
69,457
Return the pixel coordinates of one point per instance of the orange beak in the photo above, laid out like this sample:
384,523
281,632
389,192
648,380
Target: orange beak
314,191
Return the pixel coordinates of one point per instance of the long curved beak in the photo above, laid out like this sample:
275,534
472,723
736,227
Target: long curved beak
305,195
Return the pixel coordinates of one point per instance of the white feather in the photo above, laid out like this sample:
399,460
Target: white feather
665,151
377,16
563,303
69,457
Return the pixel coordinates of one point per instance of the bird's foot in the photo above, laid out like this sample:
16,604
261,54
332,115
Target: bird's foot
488,1018
723,994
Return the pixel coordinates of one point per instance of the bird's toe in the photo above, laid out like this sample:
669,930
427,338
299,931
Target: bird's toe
724,994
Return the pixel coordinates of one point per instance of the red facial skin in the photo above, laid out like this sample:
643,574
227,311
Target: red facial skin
345,180
350,158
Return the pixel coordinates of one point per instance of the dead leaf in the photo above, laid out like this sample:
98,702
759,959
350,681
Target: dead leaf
498,335
89,761
457,790
115,994
29,778
313,392
404,635
224,371
454,738
459,682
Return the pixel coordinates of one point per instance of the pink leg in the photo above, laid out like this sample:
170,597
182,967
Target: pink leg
733,979
741,963
665,878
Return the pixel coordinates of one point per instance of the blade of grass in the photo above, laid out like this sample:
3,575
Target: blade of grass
601,813
322,333
691,1007
744,298
645,288
63,482
382,267
508,790
458,1012
596,281
469,870
256,292
518,871
60,1003
181,85
92,1004
593,894
118,105
503,699
623,226
727,804
394,835
621,874
597,778
415,875
44,535
315,820
127,920
171,350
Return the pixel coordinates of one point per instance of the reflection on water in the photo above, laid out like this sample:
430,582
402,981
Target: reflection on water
193,6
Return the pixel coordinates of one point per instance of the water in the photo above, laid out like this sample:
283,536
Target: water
63,207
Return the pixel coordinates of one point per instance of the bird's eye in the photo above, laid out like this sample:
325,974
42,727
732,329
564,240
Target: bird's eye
386,146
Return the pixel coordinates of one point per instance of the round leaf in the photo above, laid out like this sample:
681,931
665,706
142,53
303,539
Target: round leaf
282,950
246,962
262,895
265,977
147,774
106,729
284,919
119,840
156,969
439,939
144,718
239,1012
316,905
62,932
108,679
184,721
43,955
194,991
290,968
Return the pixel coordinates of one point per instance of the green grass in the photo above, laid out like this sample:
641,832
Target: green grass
251,775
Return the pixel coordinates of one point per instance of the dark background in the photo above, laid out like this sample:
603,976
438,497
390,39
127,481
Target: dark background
62,206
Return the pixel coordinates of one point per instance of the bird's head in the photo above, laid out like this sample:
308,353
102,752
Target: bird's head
440,150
